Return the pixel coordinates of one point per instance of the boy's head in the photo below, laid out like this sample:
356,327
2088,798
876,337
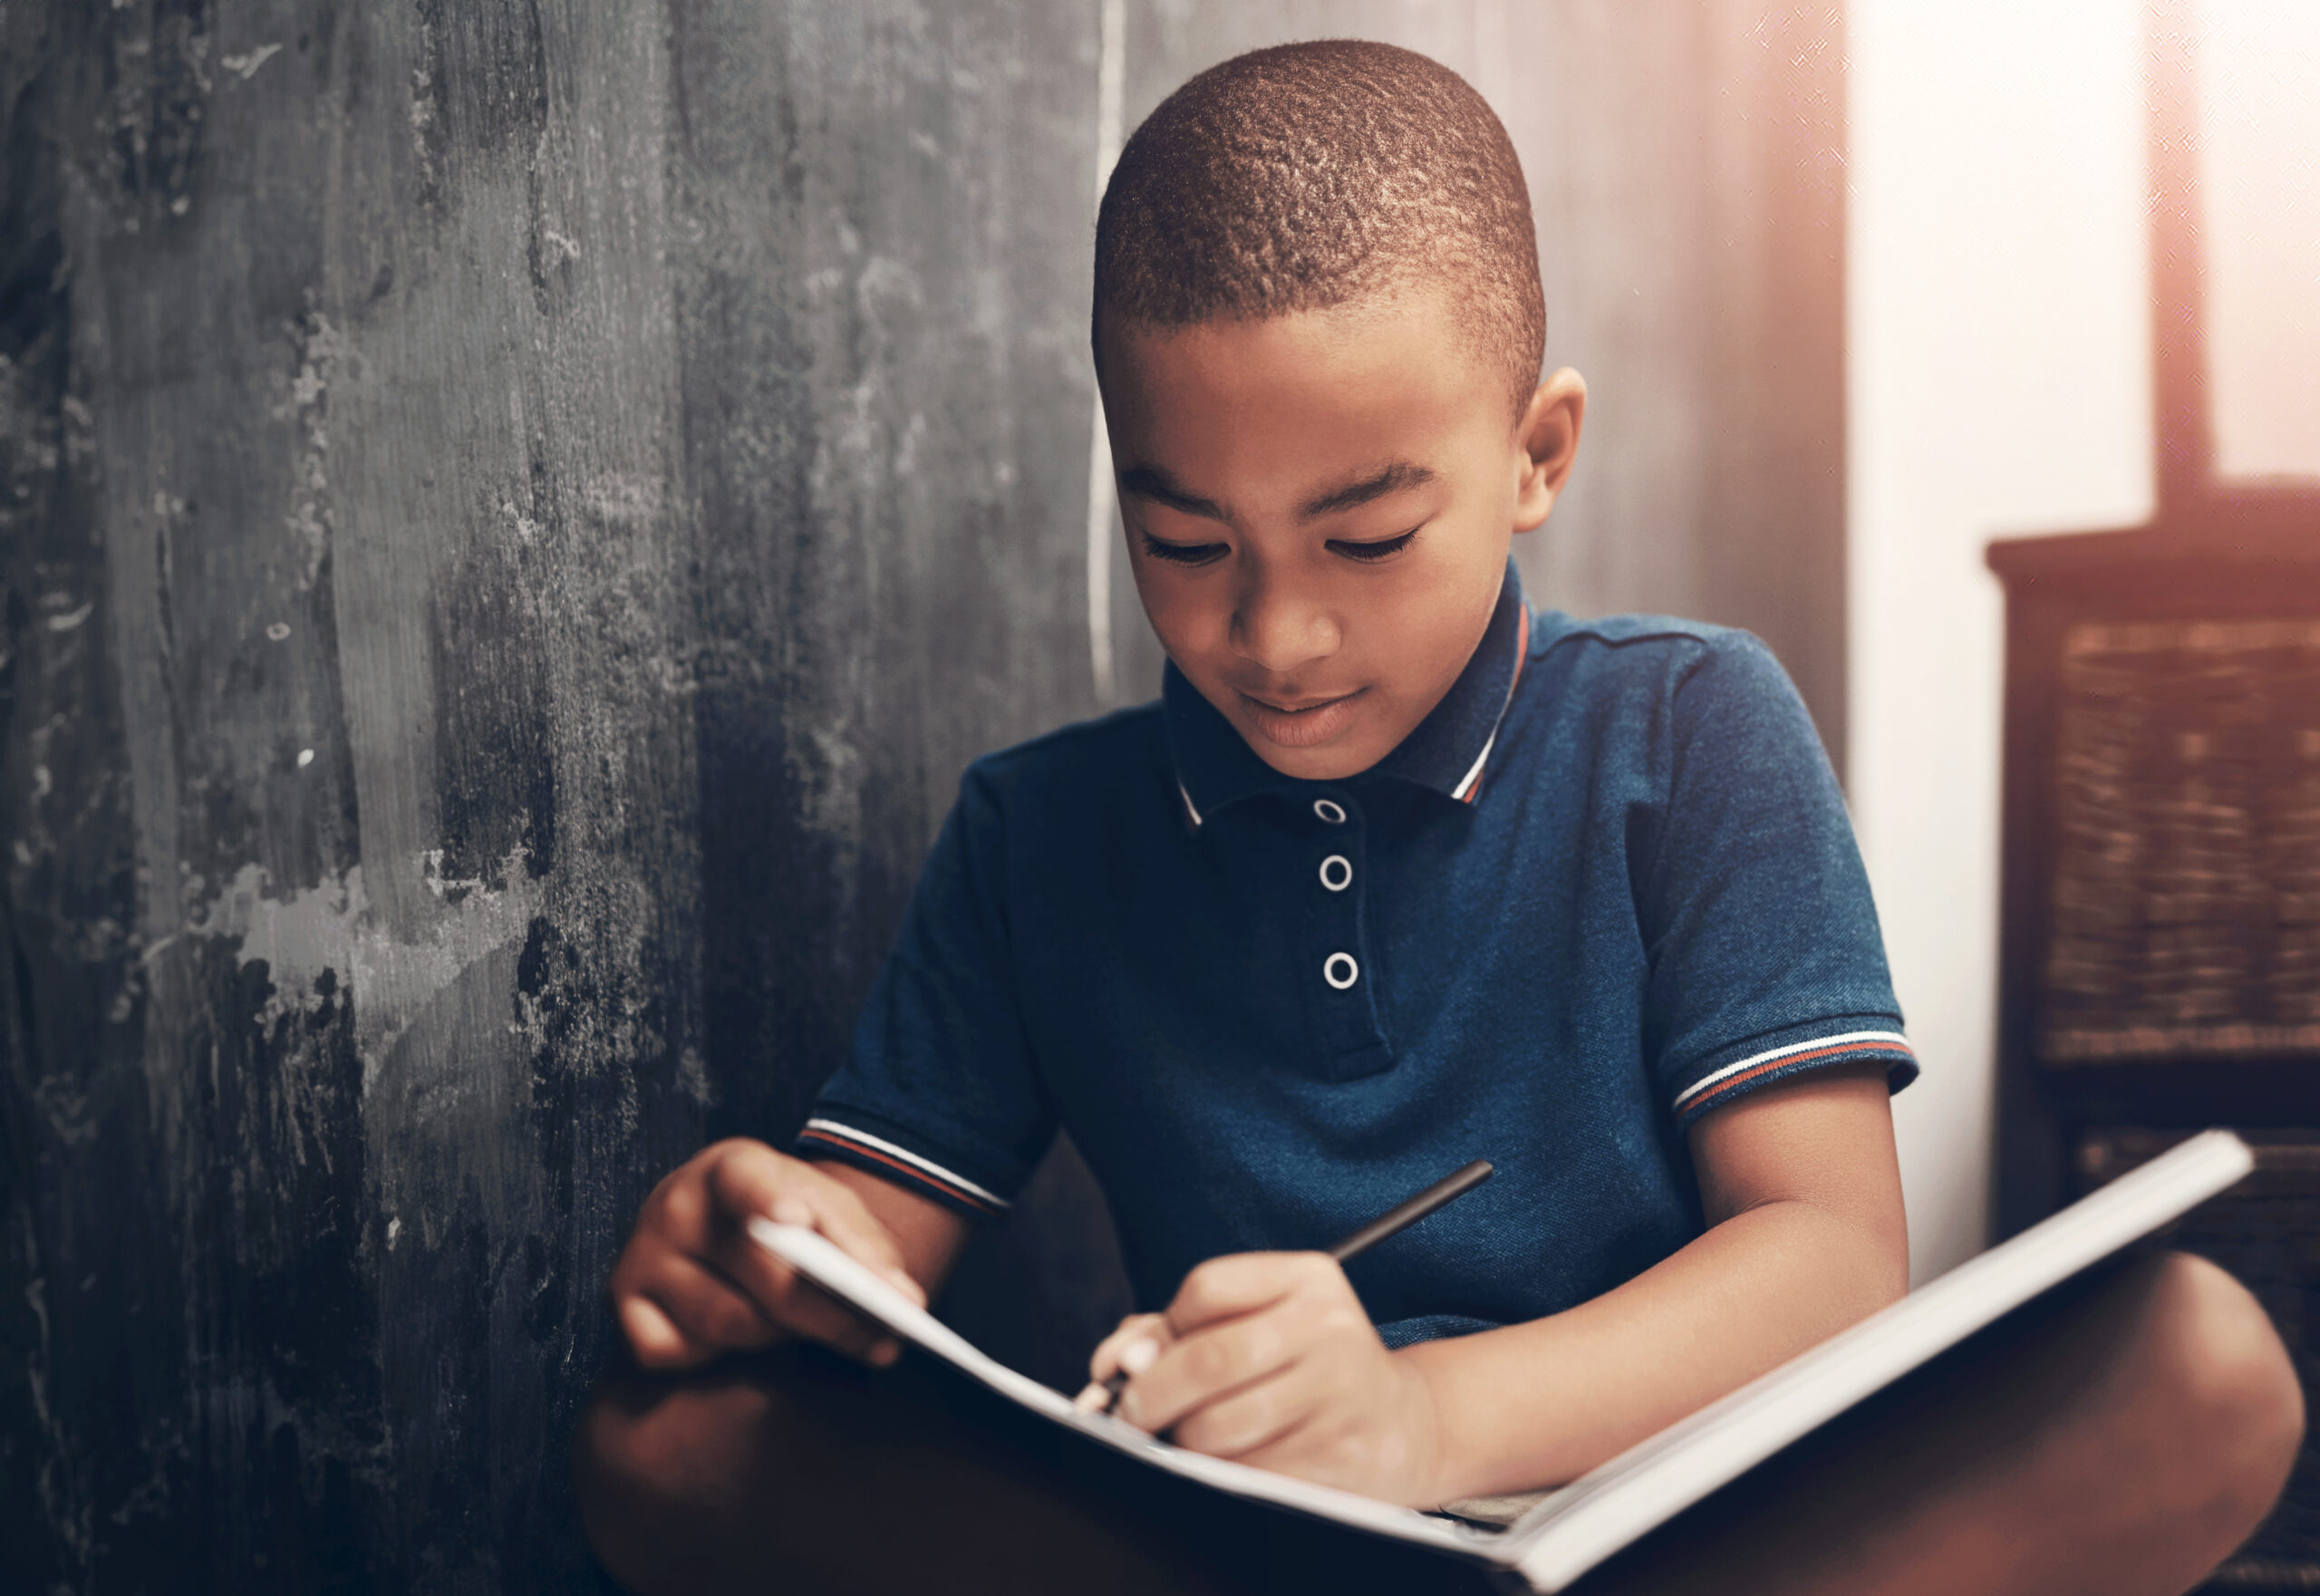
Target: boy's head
1318,328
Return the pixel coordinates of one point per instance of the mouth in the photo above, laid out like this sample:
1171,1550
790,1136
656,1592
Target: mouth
1300,722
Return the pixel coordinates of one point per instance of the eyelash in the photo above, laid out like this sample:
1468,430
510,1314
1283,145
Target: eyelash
1200,553
1182,553
1382,548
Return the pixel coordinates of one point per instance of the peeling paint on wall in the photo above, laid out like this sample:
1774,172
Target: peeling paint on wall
321,944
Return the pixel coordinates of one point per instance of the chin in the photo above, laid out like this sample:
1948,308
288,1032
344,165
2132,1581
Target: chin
1332,762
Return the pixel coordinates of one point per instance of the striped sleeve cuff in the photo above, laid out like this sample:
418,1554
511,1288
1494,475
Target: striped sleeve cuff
849,1144
1759,1067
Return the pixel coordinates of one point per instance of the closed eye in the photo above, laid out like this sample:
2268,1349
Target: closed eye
1378,549
1181,554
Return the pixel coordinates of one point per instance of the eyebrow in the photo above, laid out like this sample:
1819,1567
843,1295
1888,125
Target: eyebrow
1394,478
1153,483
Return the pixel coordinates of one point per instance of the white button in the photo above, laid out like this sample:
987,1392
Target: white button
1329,810
1336,872
1340,970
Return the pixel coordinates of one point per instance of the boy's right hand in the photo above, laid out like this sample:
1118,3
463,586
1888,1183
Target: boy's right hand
692,1286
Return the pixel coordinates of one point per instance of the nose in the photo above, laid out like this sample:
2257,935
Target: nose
1279,626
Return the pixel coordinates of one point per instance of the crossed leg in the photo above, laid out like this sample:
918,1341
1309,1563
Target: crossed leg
2119,1439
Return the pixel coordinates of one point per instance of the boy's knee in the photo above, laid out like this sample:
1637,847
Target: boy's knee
652,1463
658,1437
2222,1395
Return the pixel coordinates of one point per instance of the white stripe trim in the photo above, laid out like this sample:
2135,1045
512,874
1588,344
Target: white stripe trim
1766,1057
1188,803
1473,772
1459,792
907,1157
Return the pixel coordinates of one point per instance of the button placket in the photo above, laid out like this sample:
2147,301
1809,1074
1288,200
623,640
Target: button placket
1352,1042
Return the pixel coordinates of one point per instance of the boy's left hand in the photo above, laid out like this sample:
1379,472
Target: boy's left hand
1268,1359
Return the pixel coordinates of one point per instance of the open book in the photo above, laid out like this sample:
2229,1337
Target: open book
1594,1516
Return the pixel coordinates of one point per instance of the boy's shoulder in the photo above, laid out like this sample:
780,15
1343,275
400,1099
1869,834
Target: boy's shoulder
1127,747
1631,637
1652,656
1638,696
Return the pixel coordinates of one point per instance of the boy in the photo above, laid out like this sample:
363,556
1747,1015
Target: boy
1395,876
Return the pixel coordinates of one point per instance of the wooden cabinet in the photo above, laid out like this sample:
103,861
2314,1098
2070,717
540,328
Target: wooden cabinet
2161,941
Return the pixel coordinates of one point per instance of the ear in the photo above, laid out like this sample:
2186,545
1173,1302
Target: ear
1547,440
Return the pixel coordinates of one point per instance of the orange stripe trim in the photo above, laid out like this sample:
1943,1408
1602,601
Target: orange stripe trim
916,1172
1892,1050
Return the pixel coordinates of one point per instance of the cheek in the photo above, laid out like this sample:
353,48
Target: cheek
1446,610
1185,618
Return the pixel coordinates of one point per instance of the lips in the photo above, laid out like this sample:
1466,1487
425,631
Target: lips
1301,722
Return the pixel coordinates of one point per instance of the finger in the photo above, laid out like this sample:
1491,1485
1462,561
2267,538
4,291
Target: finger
746,1180
1312,1448
1137,1327
1223,1358
1263,1414
705,1306
1245,1282
755,1181
679,1213
718,1314
815,1314
653,1337
1121,1356
689,1285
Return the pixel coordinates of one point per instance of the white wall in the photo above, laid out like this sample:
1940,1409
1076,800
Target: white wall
2259,194
1998,366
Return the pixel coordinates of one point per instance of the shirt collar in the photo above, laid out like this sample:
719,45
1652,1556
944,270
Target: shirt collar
1445,752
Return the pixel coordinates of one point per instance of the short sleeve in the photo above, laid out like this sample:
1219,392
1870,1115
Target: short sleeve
1763,946
939,1094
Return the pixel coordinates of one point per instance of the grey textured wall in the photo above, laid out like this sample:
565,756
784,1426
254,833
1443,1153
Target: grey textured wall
513,516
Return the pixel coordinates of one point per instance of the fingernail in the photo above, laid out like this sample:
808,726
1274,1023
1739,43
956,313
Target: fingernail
1090,1400
885,1353
1139,1356
790,1211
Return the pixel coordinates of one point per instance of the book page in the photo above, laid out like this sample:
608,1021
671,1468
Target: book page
823,1263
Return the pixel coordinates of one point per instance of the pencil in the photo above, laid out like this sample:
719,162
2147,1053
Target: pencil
1399,1217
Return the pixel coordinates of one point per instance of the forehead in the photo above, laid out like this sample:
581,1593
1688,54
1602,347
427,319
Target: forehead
1301,398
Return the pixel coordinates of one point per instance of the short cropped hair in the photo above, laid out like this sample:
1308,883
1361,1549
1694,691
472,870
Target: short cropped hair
1307,176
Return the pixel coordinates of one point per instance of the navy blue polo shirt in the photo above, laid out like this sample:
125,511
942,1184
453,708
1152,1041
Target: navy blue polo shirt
1605,887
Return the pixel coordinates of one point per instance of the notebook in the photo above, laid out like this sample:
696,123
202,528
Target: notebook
1596,1515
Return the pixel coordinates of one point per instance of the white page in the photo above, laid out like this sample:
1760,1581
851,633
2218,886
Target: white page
821,1261
1602,1511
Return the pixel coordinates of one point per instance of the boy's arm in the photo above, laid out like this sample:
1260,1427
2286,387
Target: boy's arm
1267,1357
1803,1198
